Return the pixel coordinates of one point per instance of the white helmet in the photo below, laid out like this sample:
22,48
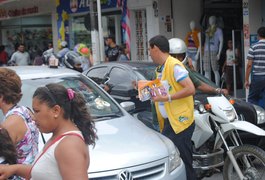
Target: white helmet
177,46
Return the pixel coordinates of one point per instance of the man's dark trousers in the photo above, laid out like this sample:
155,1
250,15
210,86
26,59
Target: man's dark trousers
183,142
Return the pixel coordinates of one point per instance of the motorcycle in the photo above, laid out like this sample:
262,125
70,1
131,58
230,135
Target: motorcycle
217,142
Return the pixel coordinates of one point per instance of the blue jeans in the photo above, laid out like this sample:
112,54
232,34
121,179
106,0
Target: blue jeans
257,91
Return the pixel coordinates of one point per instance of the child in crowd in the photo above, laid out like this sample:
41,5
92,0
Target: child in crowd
8,153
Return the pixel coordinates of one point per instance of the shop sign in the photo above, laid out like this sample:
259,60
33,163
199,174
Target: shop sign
77,6
18,12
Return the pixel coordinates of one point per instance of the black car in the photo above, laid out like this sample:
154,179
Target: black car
122,77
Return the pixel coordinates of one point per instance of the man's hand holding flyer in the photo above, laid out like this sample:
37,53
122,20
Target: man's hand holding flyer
146,89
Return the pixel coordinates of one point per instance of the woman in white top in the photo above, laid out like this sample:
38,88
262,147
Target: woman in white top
231,60
63,113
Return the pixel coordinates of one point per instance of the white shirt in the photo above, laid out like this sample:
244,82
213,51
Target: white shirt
46,167
230,57
21,59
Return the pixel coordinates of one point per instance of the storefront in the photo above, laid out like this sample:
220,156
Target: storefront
147,19
74,21
27,22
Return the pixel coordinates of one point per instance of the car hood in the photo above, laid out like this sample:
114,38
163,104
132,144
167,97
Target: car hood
125,142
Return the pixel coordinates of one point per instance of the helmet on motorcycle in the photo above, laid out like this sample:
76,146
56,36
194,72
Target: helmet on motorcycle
177,46
72,60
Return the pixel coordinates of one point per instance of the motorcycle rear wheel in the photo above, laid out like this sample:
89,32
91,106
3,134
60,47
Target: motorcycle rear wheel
255,157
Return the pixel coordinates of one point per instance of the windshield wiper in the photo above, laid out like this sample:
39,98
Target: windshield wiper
106,116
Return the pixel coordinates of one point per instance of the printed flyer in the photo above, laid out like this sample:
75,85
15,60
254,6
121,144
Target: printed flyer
146,89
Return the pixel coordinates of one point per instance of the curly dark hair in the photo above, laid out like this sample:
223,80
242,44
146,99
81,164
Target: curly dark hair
10,86
7,147
76,110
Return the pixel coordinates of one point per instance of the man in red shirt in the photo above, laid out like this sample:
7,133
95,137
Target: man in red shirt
3,56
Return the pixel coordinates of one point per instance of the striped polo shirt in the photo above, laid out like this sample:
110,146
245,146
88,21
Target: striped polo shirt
256,53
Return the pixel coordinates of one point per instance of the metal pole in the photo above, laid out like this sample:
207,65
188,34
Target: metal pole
234,65
94,34
101,40
201,54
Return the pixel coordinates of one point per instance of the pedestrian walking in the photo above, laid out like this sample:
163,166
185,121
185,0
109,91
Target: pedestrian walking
256,67
20,57
174,110
38,59
3,56
123,55
64,113
18,120
113,49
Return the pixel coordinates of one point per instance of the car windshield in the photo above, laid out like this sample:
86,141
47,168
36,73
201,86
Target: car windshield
148,72
100,105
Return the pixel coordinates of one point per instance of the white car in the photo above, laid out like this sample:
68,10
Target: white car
126,148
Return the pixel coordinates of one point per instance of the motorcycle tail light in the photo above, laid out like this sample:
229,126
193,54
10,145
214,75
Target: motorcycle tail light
232,101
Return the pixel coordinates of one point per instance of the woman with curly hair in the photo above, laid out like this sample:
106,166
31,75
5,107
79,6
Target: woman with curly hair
63,113
18,120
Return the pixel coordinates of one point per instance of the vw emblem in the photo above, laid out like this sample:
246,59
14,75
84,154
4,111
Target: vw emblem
125,175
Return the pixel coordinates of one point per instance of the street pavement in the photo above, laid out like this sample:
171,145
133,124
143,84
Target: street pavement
218,176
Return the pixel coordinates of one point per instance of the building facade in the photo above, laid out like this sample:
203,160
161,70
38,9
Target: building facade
28,21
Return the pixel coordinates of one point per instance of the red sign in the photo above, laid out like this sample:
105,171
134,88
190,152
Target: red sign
17,12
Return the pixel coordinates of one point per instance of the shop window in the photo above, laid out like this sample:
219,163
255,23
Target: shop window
34,32
79,33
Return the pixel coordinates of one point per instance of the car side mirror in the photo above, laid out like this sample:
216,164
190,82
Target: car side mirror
128,106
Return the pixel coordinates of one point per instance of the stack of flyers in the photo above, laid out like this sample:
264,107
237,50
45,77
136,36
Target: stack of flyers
146,89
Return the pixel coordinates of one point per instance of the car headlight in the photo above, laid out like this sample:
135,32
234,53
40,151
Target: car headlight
230,114
174,160
260,114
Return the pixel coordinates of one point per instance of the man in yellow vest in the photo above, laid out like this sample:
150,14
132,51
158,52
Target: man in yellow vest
175,109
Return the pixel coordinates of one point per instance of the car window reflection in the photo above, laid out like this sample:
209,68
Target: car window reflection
98,102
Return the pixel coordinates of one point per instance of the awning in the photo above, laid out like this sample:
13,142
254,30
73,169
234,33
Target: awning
6,1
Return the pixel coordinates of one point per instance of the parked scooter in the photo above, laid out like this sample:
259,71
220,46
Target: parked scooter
216,137
217,141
